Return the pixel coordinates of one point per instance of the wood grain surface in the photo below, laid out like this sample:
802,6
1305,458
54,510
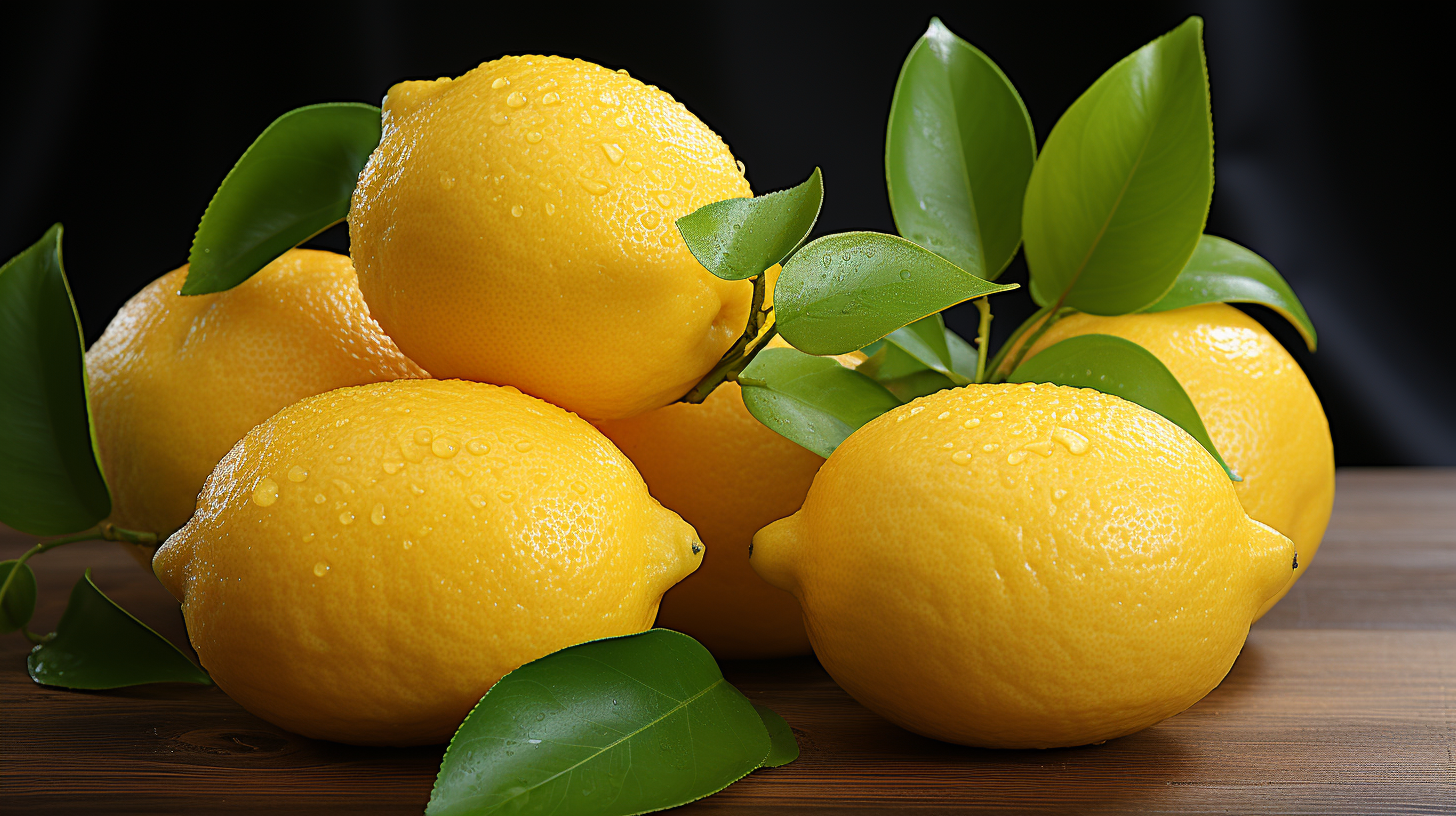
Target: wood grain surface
1343,701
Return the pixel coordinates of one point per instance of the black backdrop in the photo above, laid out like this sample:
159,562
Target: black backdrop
120,121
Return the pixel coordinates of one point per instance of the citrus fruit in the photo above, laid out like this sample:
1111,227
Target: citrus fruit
727,475
1024,566
176,381
516,226
1256,403
364,565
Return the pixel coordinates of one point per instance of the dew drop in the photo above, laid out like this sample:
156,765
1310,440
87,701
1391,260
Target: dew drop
944,415
515,100
417,490
1015,457
523,446
517,210
534,137
343,486
948,445
623,120
635,166
265,493
320,498
507,496
407,543
500,82
297,474
990,447
664,199
550,98
477,446
579,487
423,436
346,518
377,514
651,219
971,423
476,500
594,187
550,208
1044,447
960,457
1073,441
1058,494
614,153
499,118
321,569
998,414
742,168
393,467
904,274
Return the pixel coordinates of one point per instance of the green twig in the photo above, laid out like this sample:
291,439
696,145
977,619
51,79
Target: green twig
1056,313
743,351
105,531
983,338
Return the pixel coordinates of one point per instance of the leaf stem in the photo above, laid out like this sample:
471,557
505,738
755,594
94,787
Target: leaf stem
983,338
105,531
742,352
1053,314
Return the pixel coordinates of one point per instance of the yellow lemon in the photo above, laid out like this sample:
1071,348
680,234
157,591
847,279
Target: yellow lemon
176,381
515,226
1259,408
1024,566
727,475
364,565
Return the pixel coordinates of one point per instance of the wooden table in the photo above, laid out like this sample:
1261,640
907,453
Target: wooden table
1344,701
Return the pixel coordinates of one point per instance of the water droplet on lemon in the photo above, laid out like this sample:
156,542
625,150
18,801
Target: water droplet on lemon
265,493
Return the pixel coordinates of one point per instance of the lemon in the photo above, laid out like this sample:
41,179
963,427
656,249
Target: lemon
1258,406
365,564
516,226
728,476
1024,566
176,381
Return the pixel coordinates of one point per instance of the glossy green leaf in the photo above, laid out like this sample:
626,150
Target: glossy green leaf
292,183
784,748
1119,196
959,149
1221,271
739,238
926,341
812,401
1124,369
50,476
962,355
844,291
612,727
99,645
19,601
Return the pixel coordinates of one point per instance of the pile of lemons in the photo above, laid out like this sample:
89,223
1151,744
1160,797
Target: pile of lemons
394,479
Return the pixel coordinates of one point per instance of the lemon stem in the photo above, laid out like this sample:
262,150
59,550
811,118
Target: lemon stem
983,338
737,358
105,531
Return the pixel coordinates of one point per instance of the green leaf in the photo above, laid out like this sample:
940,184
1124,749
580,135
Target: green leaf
739,238
812,401
926,341
784,747
844,291
50,476
1124,369
292,183
1221,271
962,355
19,602
959,149
99,645
612,727
1118,199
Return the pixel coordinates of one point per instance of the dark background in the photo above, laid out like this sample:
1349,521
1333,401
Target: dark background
120,122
